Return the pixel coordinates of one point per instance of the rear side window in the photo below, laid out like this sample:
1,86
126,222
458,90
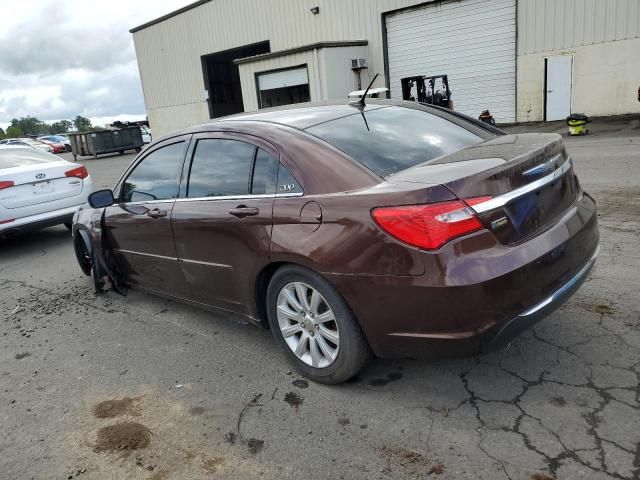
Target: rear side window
391,139
156,176
265,174
286,182
270,176
219,168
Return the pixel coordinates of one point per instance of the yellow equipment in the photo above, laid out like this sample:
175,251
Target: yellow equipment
577,123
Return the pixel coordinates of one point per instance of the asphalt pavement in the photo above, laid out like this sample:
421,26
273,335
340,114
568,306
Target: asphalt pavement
111,387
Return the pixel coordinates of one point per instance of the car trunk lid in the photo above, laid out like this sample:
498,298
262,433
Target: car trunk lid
528,178
38,184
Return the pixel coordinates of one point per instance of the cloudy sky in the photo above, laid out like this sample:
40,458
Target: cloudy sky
59,59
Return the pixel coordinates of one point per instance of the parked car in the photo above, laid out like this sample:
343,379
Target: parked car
57,147
28,142
395,229
38,189
57,140
146,135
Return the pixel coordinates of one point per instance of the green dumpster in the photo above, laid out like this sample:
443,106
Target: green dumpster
99,142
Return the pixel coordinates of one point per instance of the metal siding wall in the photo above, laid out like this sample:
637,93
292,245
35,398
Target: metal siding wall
445,39
545,25
169,52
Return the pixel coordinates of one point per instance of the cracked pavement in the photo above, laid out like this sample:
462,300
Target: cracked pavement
201,396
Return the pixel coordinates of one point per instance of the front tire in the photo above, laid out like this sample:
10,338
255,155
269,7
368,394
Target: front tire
315,326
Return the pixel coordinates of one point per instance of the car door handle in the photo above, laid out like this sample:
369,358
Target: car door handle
242,211
157,213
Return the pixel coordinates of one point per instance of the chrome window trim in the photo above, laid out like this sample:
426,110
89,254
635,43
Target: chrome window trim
502,200
240,197
226,197
148,202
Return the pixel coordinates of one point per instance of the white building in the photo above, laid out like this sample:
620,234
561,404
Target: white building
524,60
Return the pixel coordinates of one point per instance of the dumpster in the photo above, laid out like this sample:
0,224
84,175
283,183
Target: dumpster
577,123
106,141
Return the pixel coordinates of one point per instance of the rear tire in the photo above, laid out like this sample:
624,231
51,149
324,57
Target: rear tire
69,225
314,325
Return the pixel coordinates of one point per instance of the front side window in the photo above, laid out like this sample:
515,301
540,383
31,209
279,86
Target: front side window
156,176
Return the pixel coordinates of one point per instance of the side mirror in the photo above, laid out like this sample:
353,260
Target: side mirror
101,199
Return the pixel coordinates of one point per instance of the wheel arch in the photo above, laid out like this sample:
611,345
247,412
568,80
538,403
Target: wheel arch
260,292
82,235
264,278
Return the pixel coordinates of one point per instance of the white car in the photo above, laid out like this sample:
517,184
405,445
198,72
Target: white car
38,189
28,142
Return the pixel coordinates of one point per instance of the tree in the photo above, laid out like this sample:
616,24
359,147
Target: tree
31,125
82,124
63,126
2,134
13,132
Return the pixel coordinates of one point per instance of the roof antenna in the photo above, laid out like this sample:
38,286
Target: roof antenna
360,102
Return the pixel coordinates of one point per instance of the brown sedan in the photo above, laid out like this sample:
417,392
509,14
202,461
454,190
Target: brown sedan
393,230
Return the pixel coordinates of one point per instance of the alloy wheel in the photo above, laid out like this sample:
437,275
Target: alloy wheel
308,324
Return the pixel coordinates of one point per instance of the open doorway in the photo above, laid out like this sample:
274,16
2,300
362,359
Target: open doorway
222,78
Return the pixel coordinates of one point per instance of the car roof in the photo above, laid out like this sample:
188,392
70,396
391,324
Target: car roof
302,116
305,115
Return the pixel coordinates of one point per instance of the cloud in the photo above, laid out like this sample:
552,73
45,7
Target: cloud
62,59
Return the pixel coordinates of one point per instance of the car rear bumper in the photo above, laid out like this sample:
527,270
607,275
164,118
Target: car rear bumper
41,220
533,315
475,295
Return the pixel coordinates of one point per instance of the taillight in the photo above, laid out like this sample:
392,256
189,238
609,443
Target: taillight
79,172
429,226
7,221
6,184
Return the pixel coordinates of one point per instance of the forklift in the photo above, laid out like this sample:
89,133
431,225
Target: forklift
427,90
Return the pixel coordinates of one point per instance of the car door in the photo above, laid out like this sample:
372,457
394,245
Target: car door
222,222
138,225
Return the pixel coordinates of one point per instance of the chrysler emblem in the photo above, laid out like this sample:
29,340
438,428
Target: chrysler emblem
542,168
40,175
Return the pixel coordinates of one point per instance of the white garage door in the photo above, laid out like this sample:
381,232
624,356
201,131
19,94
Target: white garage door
471,41
283,78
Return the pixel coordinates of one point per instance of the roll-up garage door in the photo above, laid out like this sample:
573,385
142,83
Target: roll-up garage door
283,87
471,41
283,78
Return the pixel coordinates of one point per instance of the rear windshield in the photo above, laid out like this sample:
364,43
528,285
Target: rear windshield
394,138
20,157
